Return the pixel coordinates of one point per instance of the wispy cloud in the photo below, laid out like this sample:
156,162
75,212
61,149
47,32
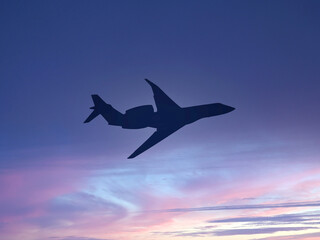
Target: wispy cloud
283,218
76,238
242,207
252,231
305,236
232,232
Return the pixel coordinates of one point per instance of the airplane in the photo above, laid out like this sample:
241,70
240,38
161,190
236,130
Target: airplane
168,118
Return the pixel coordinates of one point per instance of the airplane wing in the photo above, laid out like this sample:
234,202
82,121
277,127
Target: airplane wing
156,137
163,102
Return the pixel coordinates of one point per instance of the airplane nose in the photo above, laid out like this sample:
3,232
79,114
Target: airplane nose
230,109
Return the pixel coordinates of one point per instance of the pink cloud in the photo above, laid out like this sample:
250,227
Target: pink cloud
26,194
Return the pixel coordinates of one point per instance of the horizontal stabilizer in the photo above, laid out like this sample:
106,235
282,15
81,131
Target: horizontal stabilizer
110,114
92,116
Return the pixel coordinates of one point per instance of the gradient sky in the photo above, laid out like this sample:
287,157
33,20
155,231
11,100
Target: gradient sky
252,174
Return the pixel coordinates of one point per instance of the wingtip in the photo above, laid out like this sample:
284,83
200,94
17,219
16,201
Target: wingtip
87,120
148,81
133,155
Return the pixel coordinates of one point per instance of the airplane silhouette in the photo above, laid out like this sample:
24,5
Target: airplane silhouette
168,118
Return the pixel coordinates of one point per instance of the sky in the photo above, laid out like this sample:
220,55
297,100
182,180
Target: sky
252,174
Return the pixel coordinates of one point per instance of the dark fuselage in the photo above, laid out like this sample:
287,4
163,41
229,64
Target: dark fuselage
174,117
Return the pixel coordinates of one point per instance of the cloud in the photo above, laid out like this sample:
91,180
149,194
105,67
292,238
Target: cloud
232,232
26,193
33,200
248,206
73,200
311,236
79,208
283,218
251,231
76,238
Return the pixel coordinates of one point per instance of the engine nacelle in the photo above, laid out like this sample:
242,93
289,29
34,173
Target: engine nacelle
138,117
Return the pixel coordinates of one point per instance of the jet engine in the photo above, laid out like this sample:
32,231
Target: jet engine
138,117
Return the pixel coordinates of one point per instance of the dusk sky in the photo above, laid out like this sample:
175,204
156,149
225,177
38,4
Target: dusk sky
252,174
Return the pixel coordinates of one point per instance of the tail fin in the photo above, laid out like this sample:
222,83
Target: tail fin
110,114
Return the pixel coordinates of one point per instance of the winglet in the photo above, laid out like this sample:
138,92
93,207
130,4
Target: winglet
148,81
153,86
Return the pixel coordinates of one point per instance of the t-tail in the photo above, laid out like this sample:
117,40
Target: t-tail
111,115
